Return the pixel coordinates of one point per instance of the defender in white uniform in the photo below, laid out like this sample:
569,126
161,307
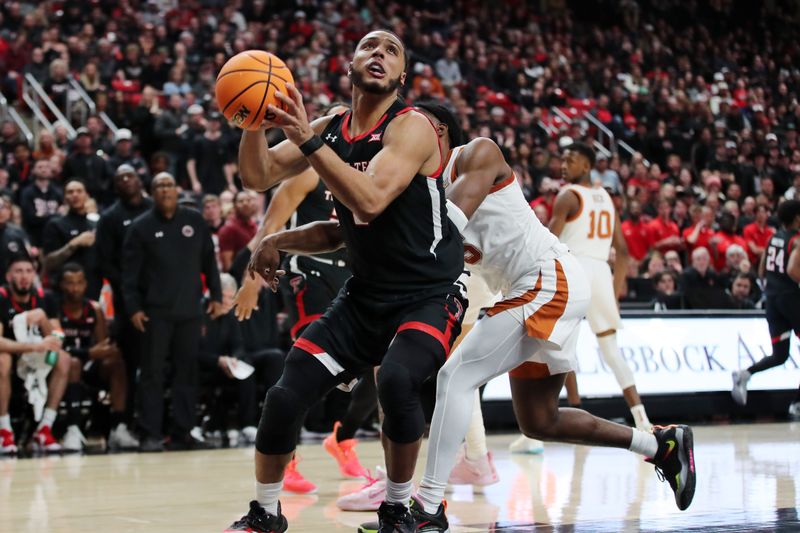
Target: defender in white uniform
585,219
546,295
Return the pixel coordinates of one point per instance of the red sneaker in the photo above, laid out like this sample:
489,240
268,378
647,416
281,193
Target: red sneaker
345,454
293,481
43,441
7,444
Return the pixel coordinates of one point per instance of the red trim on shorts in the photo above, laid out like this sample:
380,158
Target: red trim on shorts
302,318
442,337
308,346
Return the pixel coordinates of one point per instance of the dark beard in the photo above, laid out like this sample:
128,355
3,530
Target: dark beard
373,87
20,291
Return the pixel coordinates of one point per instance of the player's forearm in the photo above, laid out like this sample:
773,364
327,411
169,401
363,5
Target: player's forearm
620,272
9,346
309,239
355,189
55,260
255,162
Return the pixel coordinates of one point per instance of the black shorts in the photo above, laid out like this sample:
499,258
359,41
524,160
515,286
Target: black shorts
308,289
783,315
355,333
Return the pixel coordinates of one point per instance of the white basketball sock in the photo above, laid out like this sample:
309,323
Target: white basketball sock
476,433
398,492
431,494
267,495
48,418
643,443
5,422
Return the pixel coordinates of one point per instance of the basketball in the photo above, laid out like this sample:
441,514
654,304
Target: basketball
246,85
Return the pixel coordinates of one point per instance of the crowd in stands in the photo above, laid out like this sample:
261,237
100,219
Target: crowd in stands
703,92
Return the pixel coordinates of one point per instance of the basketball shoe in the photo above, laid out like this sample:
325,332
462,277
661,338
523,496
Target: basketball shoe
257,520
674,461
397,518
293,481
73,441
7,444
43,441
369,497
479,473
345,454
739,390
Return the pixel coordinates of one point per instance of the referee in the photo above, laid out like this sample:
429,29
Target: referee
166,251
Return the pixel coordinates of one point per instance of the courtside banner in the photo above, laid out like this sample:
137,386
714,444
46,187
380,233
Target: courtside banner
678,355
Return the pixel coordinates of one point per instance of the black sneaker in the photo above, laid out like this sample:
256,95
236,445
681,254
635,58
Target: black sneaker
151,445
674,461
181,443
260,521
422,522
392,518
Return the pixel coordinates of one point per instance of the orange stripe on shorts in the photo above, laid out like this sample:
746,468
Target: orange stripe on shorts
523,299
541,324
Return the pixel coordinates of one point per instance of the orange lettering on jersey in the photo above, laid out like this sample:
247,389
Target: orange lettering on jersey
471,254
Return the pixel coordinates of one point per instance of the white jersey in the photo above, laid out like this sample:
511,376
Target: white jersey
504,241
589,233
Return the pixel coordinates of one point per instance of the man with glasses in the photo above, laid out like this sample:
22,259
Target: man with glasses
165,252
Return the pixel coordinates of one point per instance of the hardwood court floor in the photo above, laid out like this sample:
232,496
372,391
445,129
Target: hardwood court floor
748,480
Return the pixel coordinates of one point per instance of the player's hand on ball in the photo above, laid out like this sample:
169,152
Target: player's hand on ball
292,119
264,263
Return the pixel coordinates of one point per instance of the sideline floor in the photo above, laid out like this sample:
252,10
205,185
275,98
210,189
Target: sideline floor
748,480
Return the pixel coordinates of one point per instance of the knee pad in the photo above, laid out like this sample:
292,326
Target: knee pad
280,421
398,391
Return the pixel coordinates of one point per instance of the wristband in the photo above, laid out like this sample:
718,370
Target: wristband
311,145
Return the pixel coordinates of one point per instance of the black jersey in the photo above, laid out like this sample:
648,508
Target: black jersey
412,246
11,307
316,206
79,332
777,260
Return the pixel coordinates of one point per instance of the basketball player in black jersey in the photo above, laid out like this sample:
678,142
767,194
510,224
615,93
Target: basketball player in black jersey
781,265
401,309
96,360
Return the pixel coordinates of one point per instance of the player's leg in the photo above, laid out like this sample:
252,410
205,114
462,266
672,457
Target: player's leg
155,349
7,443
341,442
112,372
184,351
780,331
535,402
73,440
573,394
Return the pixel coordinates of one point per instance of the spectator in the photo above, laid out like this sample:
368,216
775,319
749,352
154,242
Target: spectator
93,169
166,251
20,170
740,292
602,176
21,298
793,192
757,234
13,239
636,232
124,155
239,229
40,200
447,68
668,298
95,360
724,238
699,234
210,165
70,238
177,84
672,262
47,149
57,84
664,233
700,284
548,189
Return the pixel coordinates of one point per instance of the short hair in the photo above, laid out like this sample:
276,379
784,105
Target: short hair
663,274
583,149
406,55
208,198
20,257
734,249
73,268
76,180
788,211
743,275
454,132
227,281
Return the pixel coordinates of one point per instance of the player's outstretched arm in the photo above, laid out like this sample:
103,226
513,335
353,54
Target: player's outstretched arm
483,163
410,147
621,256
565,206
262,166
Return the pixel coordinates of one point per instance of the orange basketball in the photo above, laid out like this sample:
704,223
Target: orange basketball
246,85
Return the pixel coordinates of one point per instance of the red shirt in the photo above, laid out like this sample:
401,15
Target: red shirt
660,230
702,238
235,234
542,200
725,242
759,237
638,238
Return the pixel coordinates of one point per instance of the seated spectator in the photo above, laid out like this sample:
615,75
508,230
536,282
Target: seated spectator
664,233
668,297
239,228
177,83
672,261
40,201
700,233
70,238
221,348
20,298
700,284
724,238
13,239
636,232
757,234
740,293
793,192
602,176
95,361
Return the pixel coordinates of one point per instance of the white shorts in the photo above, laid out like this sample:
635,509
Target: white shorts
480,297
550,314
603,313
